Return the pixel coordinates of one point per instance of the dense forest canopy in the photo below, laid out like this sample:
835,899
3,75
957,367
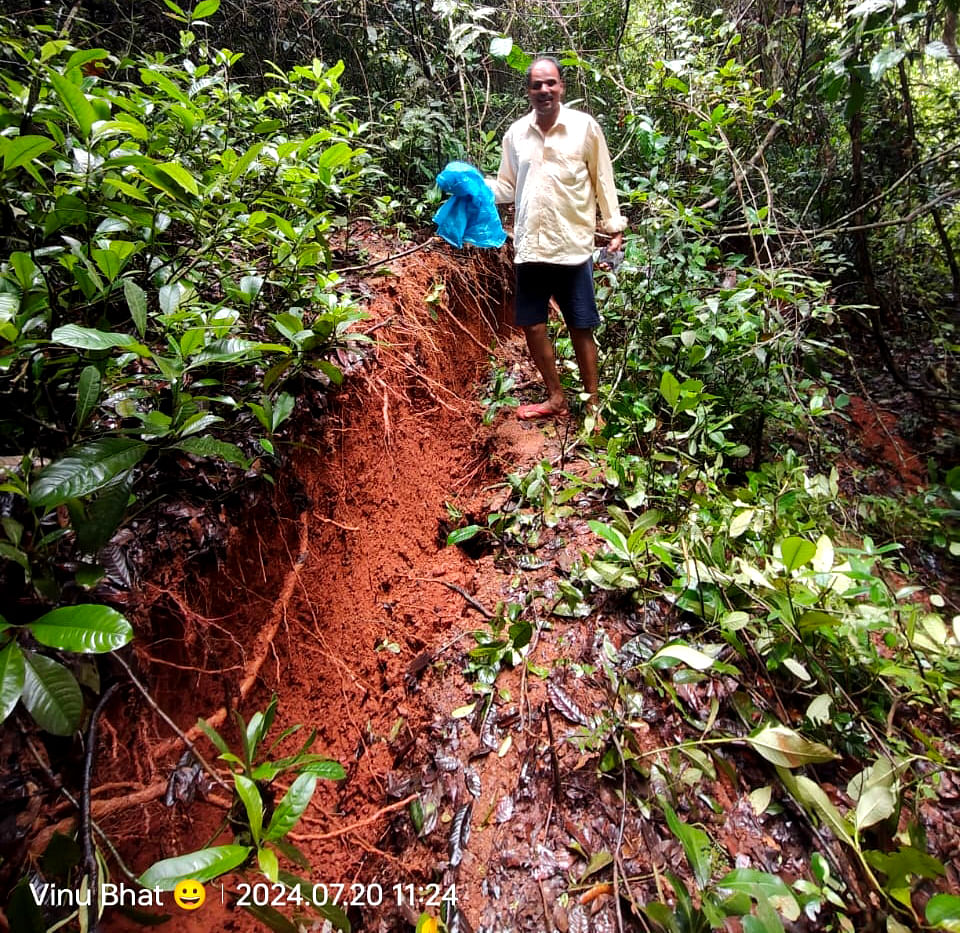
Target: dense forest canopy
183,195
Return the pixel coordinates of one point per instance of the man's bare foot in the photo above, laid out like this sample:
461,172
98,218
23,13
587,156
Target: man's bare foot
541,410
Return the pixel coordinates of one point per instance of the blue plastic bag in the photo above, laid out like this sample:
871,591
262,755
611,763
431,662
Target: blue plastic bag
470,215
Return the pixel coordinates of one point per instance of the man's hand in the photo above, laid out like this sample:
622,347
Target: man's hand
616,243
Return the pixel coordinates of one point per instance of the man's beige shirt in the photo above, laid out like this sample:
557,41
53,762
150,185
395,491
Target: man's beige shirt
556,183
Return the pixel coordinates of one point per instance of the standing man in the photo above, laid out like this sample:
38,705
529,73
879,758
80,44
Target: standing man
556,170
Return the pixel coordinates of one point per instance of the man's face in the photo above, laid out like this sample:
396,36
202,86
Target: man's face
545,90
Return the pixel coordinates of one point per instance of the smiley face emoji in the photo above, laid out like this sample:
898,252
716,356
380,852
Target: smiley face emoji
189,894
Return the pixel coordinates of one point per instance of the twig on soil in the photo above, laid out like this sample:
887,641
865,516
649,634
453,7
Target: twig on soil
486,613
378,326
353,827
383,262
183,736
86,829
554,764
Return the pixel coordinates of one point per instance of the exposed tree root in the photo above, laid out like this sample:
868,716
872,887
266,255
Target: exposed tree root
353,827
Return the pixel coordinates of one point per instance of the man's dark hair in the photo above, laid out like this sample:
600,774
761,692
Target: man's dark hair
537,60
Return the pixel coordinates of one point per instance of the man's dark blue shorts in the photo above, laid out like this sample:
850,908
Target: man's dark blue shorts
571,286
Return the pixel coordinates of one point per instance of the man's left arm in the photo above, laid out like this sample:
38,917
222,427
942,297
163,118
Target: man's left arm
601,174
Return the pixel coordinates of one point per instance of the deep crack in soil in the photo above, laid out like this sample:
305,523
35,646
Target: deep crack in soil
341,610
347,603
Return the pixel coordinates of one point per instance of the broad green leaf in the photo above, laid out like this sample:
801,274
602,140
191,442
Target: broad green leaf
69,211
203,865
876,803
83,56
250,286
125,125
89,387
814,799
326,769
85,469
336,155
884,60
740,523
755,883
796,551
598,861
823,558
786,748
501,46
459,535
137,303
765,920
233,350
203,9
249,793
12,675
86,338
211,447
86,629
51,695
884,772
696,844
199,422
698,660
267,860
760,799
291,808
670,388
271,919
283,406
943,912
108,262
75,102
213,736
170,297
613,537
814,619
162,180
23,149
245,161
180,175
798,669
52,48
333,373
902,868
818,711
